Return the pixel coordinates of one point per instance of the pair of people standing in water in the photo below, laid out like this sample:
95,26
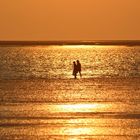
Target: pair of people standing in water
76,69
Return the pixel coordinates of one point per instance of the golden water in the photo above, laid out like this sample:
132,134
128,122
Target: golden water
39,99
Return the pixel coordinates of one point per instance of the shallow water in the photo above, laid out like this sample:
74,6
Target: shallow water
40,100
100,108
56,61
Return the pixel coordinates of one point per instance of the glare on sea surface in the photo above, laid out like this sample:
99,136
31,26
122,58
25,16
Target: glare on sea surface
82,107
79,131
78,46
78,107
88,46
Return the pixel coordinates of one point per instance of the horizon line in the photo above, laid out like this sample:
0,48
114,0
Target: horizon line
70,42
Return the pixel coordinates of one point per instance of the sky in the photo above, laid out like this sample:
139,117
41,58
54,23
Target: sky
69,20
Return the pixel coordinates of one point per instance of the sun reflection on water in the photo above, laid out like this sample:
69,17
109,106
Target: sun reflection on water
79,131
78,107
78,46
89,46
73,108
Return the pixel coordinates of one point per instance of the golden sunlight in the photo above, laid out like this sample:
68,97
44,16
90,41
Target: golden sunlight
89,46
78,46
81,107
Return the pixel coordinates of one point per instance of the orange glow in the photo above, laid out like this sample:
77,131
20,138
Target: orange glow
76,107
78,46
70,20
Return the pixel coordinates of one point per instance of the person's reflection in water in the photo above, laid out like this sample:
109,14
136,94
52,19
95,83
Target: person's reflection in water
79,67
74,70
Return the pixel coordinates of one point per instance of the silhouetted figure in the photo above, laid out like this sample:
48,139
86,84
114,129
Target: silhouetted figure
74,69
79,68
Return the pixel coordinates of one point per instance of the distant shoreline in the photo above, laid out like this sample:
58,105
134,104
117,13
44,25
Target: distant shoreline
71,42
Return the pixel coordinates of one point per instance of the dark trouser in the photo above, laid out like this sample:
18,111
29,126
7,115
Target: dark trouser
80,73
75,74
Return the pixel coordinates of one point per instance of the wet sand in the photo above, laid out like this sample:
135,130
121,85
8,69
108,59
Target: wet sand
98,108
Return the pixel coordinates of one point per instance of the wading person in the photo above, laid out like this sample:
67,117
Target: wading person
79,67
74,70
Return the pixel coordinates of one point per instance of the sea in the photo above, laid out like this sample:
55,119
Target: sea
41,100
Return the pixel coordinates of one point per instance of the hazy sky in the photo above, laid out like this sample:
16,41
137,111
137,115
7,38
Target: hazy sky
69,19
